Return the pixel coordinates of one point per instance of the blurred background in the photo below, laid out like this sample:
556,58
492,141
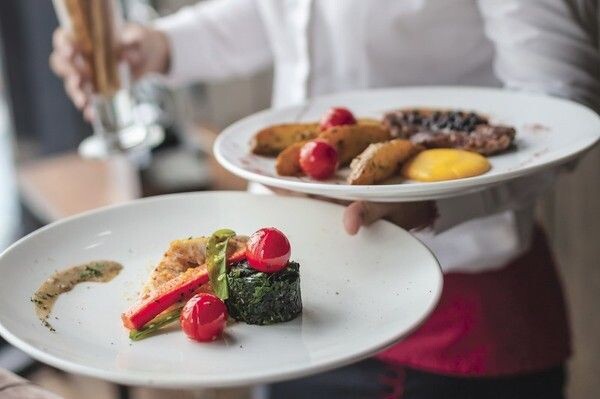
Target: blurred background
42,178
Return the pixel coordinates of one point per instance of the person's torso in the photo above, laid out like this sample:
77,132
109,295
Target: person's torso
323,46
330,46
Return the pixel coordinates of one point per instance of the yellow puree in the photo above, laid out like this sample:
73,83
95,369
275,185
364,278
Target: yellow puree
445,164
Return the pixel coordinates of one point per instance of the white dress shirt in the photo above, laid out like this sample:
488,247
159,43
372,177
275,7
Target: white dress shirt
325,46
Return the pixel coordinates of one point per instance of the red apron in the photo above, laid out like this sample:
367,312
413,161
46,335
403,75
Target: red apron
502,322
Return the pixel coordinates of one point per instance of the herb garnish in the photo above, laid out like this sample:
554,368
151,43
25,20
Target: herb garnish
90,272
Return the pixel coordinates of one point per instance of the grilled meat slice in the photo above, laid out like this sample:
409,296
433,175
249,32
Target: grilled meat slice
449,129
485,139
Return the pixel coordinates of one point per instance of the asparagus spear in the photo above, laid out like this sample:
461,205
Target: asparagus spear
154,325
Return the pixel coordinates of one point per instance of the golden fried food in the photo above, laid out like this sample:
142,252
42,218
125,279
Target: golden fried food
348,140
351,140
288,161
182,255
380,161
369,121
271,140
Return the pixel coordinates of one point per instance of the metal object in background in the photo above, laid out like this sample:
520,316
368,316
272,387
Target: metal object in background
96,25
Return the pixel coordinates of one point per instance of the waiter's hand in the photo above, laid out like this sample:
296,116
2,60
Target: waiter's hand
144,49
408,215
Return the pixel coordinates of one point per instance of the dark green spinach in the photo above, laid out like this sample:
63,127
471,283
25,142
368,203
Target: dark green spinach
264,298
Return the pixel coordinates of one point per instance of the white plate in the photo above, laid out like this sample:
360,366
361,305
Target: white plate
550,131
360,294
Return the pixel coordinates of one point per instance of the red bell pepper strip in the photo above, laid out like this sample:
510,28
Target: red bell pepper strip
178,289
181,288
237,256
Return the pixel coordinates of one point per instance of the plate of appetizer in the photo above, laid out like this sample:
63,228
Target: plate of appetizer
406,144
211,290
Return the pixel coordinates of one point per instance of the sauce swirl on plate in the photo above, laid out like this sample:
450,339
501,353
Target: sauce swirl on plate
63,281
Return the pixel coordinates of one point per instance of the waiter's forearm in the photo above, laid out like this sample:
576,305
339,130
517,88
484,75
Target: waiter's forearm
215,40
513,196
546,46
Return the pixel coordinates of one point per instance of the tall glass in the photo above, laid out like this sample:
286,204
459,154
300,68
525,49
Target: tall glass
95,26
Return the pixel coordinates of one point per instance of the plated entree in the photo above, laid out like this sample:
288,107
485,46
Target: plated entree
420,144
203,281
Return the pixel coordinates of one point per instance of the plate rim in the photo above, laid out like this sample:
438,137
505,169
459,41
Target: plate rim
425,191
138,379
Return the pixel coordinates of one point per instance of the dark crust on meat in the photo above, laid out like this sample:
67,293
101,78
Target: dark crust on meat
449,129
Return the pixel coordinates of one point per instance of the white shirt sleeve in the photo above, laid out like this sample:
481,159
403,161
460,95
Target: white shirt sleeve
546,46
216,39
512,196
541,46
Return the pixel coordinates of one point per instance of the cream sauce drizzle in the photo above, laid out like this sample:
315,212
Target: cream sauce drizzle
62,281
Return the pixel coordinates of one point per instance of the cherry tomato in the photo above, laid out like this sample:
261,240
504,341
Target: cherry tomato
268,250
318,159
336,117
203,317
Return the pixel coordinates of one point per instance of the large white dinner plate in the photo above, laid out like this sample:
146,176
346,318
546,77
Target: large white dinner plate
550,131
360,294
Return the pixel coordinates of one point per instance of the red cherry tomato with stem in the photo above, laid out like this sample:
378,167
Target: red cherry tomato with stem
203,317
337,116
268,250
